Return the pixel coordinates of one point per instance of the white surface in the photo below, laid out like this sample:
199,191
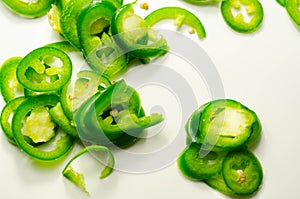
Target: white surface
260,70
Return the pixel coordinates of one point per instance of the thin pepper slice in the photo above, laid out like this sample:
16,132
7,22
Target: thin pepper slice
254,10
106,117
134,35
6,113
30,9
78,178
86,85
181,16
292,7
9,85
63,144
39,62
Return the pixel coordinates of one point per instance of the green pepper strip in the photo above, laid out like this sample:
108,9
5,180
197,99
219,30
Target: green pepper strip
77,178
9,84
105,117
29,9
86,85
36,61
237,23
64,46
63,145
8,109
292,7
58,116
181,16
133,35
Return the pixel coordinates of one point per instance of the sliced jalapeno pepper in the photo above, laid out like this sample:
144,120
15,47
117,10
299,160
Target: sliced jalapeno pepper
38,62
86,85
133,34
219,184
292,7
224,125
58,116
195,167
77,178
242,172
6,113
105,117
9,85
181,16
25,112
238,23
31,9
64,46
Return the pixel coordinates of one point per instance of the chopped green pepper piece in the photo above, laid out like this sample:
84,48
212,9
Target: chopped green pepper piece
63,145
223,125
107,116
31,9
38,62
9,85
237,22
242,172
219,184
134,36
184,16
196,164
6,113
292,7
77,178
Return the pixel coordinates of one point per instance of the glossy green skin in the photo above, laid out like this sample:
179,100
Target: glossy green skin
35,61
196,168
238,24
281,2
197,127
58,116
95,129
292,7
9,83
219,184
92,43
63,145
245,161
172,13
8,109
141,48
30,10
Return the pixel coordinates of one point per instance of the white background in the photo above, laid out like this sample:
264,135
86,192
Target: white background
261,70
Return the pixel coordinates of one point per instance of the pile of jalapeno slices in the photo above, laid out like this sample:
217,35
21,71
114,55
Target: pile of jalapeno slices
219,135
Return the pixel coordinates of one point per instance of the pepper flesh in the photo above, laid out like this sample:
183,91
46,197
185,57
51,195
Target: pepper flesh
253,8
30,9
292,7
186,17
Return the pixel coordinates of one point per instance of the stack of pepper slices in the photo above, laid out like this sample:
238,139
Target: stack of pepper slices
48,106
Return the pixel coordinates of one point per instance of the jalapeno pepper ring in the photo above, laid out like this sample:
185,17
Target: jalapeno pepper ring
37,62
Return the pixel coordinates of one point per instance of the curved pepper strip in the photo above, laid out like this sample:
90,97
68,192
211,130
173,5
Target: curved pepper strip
132,33
181,16
9,85
292,7
77,178
58,116
64,46
63,145
6,113
37,62
30,9
253,8
87,84
105,117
